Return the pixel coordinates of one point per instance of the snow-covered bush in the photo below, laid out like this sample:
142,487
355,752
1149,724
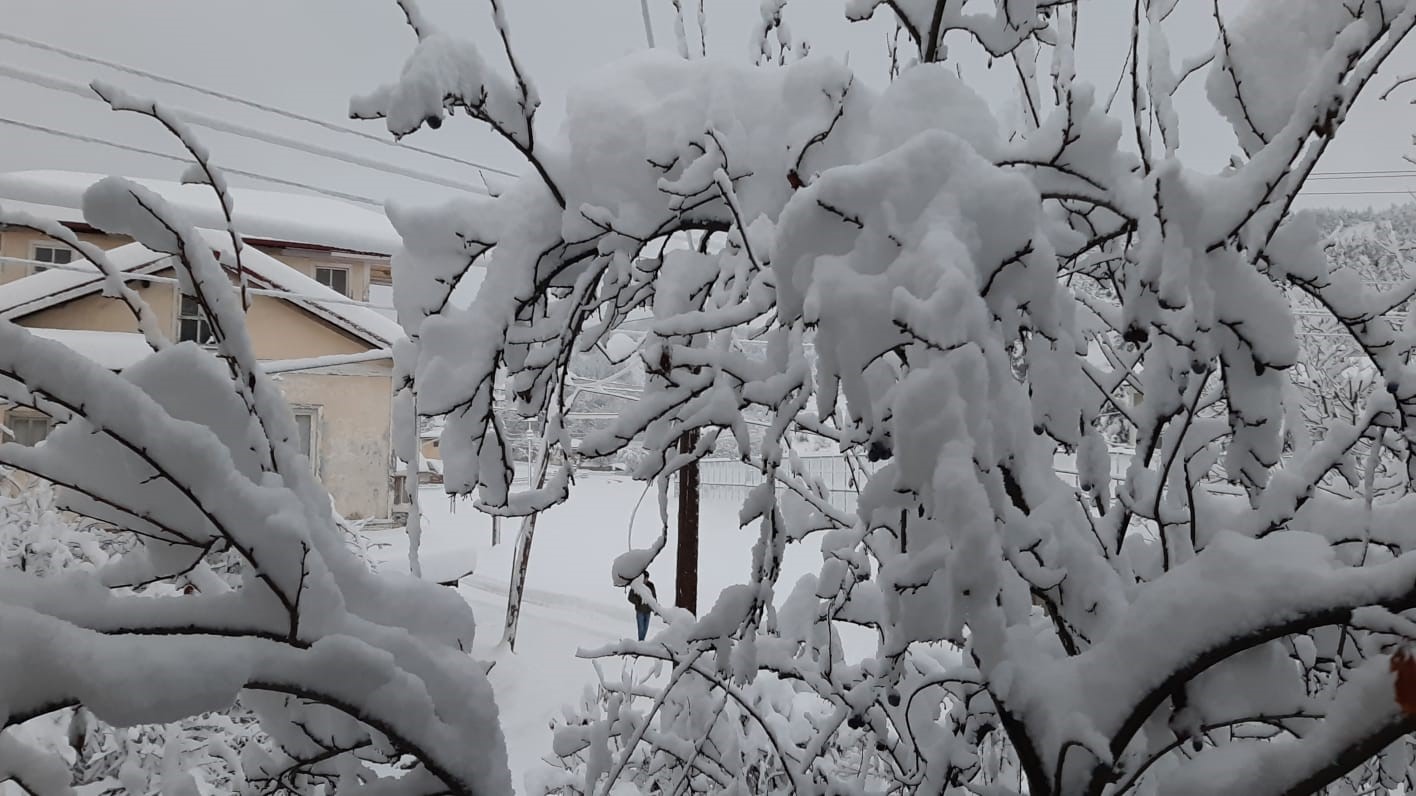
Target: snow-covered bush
1334,376
987,624
39,539
36,537
236,577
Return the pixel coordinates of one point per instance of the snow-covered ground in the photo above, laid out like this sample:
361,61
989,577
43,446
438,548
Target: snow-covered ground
571,602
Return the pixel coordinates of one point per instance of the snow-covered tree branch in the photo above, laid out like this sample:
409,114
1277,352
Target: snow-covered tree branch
980,296
236,578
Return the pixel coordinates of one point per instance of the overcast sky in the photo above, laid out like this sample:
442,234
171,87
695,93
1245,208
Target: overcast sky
309,56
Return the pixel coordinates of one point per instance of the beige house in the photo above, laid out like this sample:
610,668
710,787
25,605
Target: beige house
309,321
340,245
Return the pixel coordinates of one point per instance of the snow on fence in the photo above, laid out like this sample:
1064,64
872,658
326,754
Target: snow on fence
730,479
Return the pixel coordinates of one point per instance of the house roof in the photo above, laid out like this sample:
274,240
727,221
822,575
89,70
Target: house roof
52,287
262,217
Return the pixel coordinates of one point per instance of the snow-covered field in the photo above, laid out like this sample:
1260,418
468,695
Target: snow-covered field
571,602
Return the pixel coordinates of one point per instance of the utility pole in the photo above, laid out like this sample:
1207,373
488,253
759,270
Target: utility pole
686,572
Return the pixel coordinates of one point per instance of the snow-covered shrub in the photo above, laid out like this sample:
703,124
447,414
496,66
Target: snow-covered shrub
928,278
1334,376
38,538
699,738
237,577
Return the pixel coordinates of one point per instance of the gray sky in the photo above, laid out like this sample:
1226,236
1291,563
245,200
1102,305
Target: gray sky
309,56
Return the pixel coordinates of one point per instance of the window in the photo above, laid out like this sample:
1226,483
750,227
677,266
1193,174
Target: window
45,253
336,279
192,323
29,429
307,425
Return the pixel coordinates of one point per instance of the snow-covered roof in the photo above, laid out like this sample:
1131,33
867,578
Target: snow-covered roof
55,286
112,350
48,288
432,428
264,216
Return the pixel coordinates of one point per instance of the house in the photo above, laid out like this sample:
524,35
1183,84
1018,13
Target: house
342,246
308,320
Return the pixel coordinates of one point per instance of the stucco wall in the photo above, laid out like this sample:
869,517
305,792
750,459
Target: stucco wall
100,314
352,437
17,242
282,331
432,450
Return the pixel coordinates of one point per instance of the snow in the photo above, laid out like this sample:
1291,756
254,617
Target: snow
261,215
441,67
112,350
187,449
381,298
571,602
576,544
932,283
450,564
918,241
327,361
1264,47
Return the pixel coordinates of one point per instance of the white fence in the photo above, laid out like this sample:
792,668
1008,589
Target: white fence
730,479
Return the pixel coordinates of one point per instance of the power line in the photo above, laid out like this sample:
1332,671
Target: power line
1341,174
1360,176
242,131
58,84
348,197
1409,192
248,103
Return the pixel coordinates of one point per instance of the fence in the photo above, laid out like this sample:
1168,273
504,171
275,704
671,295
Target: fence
730,479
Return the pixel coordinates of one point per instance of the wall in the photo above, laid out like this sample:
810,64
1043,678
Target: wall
16,243
432,450
96,313
353,433
305,261
280,330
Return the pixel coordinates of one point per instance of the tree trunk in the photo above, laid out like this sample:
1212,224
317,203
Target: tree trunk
410,485
686,574
522,556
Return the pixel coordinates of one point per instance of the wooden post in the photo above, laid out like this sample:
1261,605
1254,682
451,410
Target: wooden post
686,573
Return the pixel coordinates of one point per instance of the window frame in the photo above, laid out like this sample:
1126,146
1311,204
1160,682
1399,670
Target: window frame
199,316
14,418
343,269
38,265
312,450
